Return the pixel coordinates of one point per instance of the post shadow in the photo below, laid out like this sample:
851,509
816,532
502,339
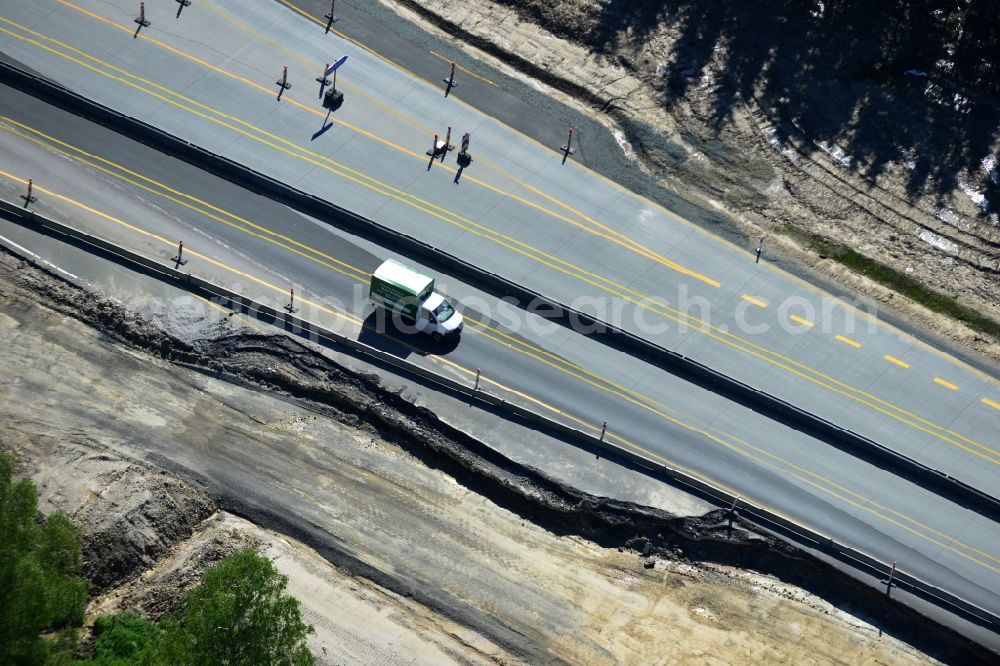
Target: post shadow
283,83
464,160
450,81
331,18
326,125
141,21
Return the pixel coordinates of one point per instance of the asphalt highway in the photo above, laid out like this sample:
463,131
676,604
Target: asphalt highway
518,210
141,198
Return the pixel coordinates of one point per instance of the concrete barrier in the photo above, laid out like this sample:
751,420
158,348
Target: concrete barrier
689,369
760,515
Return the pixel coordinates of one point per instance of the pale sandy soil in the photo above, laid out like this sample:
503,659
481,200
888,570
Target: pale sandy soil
355,621
92,421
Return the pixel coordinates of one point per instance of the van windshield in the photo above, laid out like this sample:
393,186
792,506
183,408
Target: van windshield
444,311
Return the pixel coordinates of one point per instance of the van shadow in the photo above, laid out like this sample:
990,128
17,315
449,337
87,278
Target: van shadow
381,332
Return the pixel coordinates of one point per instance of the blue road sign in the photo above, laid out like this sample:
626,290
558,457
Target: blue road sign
332,68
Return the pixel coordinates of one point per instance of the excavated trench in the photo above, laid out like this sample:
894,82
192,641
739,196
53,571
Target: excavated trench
295,372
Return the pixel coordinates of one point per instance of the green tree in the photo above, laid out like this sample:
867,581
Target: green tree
238,615
41,587
122,640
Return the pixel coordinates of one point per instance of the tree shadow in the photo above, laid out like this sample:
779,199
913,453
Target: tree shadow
910,83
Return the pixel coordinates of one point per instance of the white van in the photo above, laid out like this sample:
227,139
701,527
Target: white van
401,289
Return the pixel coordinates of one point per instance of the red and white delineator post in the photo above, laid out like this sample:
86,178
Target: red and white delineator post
283,81
450,81
568,148
29,198
141,19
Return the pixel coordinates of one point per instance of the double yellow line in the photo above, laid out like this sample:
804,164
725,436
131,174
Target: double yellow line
577,372
604,284
735,444
592,226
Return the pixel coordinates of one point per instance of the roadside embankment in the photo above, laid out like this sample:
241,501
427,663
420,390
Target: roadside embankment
274,430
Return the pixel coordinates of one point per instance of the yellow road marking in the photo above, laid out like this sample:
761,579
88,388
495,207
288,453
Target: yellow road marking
782,464
483,379
945,383
990,403
756,301
609,234
188,251
893,359
360,45
257,226
606,233
848,341
306,301
704,232
492,165
401,196
863,504
347,85
692,226
628,244
467,71
939,432
319,159
642,249
353,272
716,337
178,197
799,320
782,467
194,253
185,200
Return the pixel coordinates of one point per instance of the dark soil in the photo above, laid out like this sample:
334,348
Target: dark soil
282,365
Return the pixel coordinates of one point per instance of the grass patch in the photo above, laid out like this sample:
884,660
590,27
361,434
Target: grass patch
895,280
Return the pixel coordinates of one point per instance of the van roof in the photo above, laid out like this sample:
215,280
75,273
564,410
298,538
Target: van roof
402,276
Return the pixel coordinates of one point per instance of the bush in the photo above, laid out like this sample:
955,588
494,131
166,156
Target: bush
41,586
239,614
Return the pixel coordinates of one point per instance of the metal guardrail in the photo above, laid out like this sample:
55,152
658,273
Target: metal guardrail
765,403
762,516
771,406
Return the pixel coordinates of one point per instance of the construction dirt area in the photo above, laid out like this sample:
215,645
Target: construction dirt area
405,540
790,123
173,442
